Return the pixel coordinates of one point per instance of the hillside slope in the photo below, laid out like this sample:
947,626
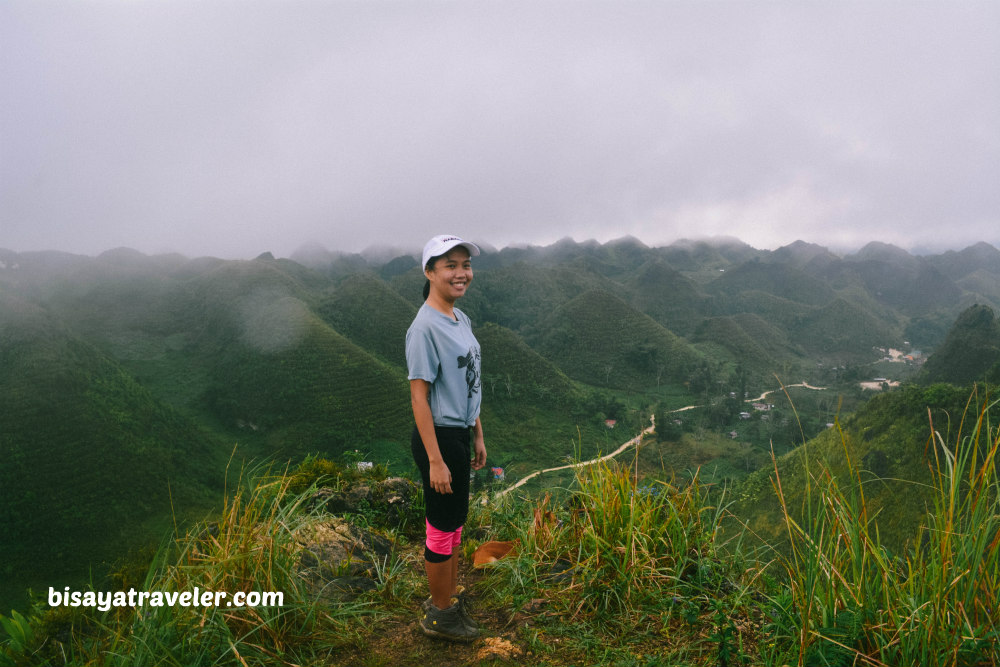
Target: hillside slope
89,455
888,442
970,353
599,339
371,314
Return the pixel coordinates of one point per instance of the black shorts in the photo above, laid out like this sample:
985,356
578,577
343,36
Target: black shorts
446,511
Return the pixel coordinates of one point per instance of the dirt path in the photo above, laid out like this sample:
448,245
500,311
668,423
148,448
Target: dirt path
767,393
636,440
631,443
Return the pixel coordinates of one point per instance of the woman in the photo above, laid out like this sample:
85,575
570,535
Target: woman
443,362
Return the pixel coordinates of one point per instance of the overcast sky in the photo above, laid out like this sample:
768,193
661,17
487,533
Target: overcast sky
234,128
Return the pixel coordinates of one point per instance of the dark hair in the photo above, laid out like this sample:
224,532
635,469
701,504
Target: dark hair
430,267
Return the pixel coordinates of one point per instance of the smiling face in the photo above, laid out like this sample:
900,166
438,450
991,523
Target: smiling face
450,275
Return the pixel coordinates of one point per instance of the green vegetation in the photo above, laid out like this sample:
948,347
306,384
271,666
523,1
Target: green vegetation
971,352
87,452
888,442
371,314
253,544
624,566
853,596
127,381
599,339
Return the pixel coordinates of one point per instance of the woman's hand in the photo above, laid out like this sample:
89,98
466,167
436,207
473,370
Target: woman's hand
480,458
440,477
479,445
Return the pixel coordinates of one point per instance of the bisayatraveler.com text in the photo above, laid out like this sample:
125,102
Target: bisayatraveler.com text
105,600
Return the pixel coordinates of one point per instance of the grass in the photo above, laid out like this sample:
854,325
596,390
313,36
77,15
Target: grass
631,571
852,601
625,571
618,568
250,546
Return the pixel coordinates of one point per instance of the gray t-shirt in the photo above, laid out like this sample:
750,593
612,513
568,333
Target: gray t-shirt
445,353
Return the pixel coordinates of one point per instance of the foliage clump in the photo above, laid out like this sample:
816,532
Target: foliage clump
619,569
253,545
851,598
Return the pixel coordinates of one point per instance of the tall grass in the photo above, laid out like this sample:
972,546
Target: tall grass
636,542
850,601
251,545
630,566
624,562
620,570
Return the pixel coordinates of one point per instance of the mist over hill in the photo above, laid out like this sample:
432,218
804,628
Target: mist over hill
128,381
971,352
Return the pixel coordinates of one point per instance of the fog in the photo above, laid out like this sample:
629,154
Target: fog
235,128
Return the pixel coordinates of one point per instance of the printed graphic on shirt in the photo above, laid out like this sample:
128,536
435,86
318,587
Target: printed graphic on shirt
470,363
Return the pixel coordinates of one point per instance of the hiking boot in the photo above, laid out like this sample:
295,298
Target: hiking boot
462,608
446,623
463,611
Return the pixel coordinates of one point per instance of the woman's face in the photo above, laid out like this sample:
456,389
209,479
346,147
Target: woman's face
451,274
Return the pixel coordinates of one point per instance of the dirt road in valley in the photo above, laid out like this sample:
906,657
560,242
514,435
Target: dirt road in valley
767,393
635,441
631,443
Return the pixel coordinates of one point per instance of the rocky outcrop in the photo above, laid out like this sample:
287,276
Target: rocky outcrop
390,503
339,560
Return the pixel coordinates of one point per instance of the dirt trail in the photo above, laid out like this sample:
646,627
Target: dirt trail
631,443
636,440
767,393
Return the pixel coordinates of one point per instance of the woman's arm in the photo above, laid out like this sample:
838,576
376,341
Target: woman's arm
479,445
420,391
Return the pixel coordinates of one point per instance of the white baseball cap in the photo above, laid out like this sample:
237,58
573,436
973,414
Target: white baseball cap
439,245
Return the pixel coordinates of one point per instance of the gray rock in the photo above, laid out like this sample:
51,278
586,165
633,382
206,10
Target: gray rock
335,556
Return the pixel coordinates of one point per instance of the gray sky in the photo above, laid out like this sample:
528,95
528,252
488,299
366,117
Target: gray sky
232,128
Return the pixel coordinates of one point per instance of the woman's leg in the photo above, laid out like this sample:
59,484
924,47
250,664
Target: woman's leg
440,579
446,510
441,564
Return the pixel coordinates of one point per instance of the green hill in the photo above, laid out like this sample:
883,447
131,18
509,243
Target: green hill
317,393
516,369
781,312
533,414
887,440
668,296
842,330
371,314
981,286
809,257
747,339
522,295
89,456
706,258
780,280
913,287
970,353
960,264
155,367
599,339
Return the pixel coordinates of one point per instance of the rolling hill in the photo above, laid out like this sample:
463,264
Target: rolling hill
888,442
123,371
599,339
365,309
668,296
86,452
970,353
